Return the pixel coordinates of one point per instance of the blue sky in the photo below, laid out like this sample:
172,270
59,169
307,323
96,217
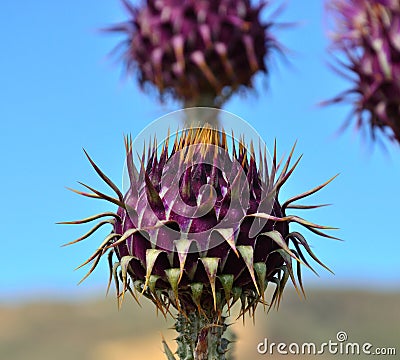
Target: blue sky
60,92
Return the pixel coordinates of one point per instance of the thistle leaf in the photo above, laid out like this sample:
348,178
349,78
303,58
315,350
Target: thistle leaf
167,350
300,238
211,267
278,239
227,284
229,236
91,218
197,291
182,247
307,193
105,178
173,276
261,271
151,257
100,195
247,253
288,262
124,265
90,232
236,293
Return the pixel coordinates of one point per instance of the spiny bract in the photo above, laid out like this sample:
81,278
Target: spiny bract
367,36
188,234
196,50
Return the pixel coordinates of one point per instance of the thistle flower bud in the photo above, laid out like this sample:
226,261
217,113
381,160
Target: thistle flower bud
367,36
202,227
200,52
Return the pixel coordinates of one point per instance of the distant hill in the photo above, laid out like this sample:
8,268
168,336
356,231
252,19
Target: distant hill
96,330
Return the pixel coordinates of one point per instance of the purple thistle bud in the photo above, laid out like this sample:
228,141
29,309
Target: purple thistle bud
367,36
201,226
200,52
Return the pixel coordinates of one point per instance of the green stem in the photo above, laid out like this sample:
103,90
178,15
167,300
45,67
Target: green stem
201,338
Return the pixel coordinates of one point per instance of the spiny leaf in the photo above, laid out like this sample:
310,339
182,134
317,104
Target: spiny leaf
229,236
94,196
261,271
236,292
133,294
126,235
304,222
289,267
291,218
306,207
151,257
182,247
275,295
278,239
310,226
307,193
91,218
152,195
197,291
299,277
100,195
283,179
287,163
300,238
132,171
95,263
125,260
90,232
110,268
152,282
227,283
247,253
302,257
167,350
173,275
155,293
211,267
124,265
320,233
105,178
115,277
100,249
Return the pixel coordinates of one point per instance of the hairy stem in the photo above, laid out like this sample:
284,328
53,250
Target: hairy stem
201,338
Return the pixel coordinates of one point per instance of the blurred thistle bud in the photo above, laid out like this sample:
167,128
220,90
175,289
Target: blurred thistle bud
197,51
366,37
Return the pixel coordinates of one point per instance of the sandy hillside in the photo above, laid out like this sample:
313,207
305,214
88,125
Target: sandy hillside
95,330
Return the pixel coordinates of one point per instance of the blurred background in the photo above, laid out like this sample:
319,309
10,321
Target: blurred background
61,92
